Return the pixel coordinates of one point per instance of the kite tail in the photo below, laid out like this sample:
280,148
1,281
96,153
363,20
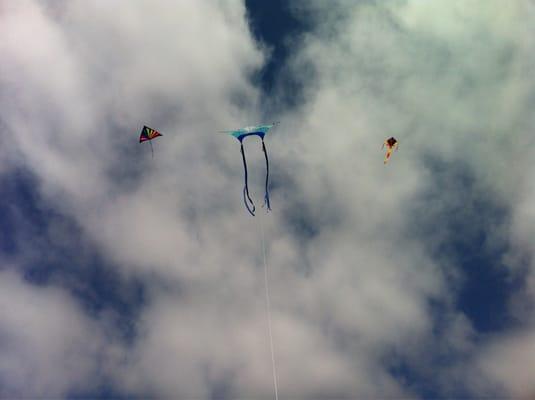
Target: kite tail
246,196
266,195
387,155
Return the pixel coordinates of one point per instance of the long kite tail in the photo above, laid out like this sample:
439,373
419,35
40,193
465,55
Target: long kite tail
266,195
151,150
246,196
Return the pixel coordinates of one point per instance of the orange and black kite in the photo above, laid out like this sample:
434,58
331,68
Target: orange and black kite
391,145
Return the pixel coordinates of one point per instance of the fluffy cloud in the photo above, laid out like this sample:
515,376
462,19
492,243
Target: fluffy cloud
450,80
356,251
48,346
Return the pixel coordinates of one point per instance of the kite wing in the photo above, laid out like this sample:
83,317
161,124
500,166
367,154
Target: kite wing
258,130
148,134
240,134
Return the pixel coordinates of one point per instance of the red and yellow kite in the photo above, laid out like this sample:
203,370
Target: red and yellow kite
391,145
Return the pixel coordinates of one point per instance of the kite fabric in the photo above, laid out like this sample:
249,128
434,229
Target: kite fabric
240,134
391,145
148,134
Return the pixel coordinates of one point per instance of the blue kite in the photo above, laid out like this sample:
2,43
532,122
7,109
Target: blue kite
240,134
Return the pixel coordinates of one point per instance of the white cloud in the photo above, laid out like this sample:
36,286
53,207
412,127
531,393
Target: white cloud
508,361
48,347
351,277
449,80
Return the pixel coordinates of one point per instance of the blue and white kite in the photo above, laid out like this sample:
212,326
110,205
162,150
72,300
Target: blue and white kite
240,134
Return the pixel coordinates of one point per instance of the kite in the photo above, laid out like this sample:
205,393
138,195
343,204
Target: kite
390,144
240,134
148,134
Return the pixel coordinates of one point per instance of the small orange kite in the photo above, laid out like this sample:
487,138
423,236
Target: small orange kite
390,144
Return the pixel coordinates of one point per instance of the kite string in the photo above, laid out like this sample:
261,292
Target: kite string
268,308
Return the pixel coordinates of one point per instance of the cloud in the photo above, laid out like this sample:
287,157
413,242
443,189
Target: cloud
507,362
449,80
47,344
362,258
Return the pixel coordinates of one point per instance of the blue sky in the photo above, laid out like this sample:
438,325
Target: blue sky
129,276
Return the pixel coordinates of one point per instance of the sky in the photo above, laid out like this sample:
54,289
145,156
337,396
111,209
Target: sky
127,276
